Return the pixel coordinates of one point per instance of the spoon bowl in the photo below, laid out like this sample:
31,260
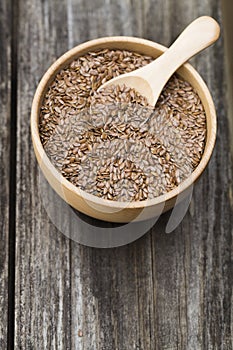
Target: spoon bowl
150,79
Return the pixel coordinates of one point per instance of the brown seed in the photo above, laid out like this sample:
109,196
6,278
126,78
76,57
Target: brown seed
80,333
173,138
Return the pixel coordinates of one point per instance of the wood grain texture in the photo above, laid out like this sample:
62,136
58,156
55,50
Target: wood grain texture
5,110
42,304
227,9
164,291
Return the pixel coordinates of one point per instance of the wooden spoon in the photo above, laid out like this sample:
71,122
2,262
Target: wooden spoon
150,79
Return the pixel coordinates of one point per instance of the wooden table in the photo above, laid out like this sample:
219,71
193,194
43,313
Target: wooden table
164,291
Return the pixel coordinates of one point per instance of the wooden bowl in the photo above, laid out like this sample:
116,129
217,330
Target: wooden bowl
104,209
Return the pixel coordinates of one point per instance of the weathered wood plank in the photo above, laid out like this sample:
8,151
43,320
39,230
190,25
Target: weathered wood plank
5,113
42,294
161,292
157,292
112,290
202,257
227,8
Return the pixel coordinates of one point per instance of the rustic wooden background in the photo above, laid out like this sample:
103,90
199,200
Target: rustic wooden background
162,292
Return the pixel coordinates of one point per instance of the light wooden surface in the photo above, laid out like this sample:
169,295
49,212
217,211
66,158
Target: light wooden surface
163,292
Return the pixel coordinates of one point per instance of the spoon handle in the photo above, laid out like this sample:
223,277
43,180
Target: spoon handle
200,34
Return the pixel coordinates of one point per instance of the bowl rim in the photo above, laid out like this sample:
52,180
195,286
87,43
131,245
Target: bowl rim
41,88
